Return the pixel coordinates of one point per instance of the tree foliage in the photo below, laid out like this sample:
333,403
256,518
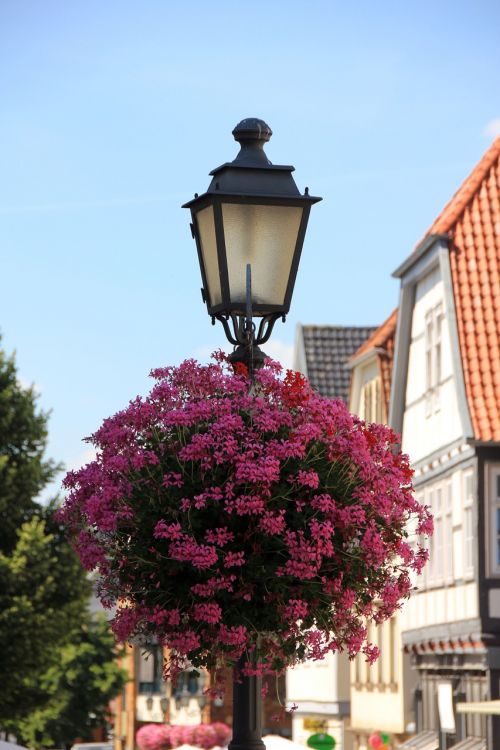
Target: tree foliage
42,597
57,663
24,471
77,687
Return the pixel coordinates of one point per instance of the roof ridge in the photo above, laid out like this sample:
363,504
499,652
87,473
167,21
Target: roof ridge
470,221
379,337
466,192
334,325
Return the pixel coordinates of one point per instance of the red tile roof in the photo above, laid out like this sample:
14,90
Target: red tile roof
327,351
382,340
472,221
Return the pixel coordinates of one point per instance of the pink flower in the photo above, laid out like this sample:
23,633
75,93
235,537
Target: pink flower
124,623
198,555
165,617
167,531
234,559
209,612
273,523
205,736
245,505
172,479
153,737
296,609
184,641
222,733
371,652
426,525
213,513
324,503
308,479
233,636
373,546
220,536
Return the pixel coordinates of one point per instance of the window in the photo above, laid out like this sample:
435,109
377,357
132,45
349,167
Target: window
150,669
468,523
436,547
429,335
374,634
448,531
371,402
433,358
494,488
395,652
440,569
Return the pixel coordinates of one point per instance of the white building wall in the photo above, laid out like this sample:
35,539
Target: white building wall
427,430
453,596
319,681
379,693
321,691
440,605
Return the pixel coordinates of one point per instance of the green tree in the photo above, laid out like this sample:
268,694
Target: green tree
42,601
57,664
78,688
23,438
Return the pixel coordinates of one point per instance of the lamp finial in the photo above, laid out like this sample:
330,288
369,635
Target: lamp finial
252,133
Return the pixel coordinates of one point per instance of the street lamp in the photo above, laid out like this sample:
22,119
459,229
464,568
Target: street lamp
249,229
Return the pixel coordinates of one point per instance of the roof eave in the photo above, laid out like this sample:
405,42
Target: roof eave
478,443
418,253
360,359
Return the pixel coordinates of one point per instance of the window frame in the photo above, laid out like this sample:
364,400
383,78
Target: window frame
153,651
440,571
371,400
493,485
448,557
468,536
433,338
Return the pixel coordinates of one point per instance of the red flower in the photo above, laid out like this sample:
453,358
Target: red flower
296,389
212,515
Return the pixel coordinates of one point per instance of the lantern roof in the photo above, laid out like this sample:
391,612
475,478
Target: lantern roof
251,173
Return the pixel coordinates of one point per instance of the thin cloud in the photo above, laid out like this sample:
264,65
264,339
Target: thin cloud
281,352
492,129
54,489
84,458
27,385
204,353
136,200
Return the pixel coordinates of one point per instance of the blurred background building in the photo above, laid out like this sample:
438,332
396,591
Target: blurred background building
432,371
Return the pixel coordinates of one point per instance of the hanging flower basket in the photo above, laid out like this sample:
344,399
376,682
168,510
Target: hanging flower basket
169,737
226,520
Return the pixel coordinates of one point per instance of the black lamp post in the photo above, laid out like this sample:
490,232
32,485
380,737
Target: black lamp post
249,229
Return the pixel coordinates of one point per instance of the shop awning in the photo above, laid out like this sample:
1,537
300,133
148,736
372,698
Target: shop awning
427,740
479,707
470,743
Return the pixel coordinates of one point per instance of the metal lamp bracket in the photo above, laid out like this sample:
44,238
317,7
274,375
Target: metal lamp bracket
244,335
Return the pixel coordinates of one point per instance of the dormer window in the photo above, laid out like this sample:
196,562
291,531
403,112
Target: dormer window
371,401
433,357
150,669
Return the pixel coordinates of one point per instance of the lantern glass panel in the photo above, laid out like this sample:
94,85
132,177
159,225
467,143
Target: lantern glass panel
265,237
206,232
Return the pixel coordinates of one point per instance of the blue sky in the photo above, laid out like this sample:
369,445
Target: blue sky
112,114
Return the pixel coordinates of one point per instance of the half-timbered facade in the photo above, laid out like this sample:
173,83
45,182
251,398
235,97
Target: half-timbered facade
381,694
445,402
